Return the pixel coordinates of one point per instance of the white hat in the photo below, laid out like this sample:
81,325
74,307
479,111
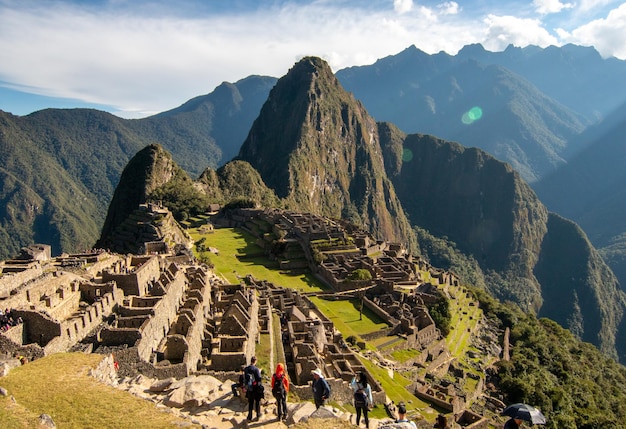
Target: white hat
317,371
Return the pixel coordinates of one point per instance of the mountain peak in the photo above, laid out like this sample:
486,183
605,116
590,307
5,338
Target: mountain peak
319,150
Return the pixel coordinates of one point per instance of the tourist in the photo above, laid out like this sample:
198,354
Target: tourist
362,397
321,389
402,419
254,388
239,385
280,388
513,424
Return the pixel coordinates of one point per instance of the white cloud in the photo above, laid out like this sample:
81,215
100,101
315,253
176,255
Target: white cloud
545,7
607,35
588,5
145,59
144,65
402,6
449,8
510,30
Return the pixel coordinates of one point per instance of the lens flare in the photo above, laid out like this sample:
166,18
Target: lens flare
472,115
407,155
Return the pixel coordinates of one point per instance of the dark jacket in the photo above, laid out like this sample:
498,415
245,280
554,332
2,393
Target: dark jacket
321,390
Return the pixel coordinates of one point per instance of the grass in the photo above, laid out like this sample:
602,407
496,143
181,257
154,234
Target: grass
464,320
263,350
395,388
405,354
346,317
239,255
58,385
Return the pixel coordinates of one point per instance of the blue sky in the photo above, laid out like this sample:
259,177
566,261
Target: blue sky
135,58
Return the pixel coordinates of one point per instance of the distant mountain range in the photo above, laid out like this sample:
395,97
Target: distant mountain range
307,144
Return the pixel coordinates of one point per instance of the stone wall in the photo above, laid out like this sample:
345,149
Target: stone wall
144,270
380,312
165,312
10,281
74,329
39,328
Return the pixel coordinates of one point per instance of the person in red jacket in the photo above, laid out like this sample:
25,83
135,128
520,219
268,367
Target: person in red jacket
280,388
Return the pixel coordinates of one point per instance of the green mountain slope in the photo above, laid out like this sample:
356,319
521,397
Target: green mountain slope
536,259
319,150
61,166
435,94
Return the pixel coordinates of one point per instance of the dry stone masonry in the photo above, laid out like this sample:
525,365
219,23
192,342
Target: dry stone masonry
166,316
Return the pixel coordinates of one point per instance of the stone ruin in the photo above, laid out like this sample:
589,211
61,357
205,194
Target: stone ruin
166,316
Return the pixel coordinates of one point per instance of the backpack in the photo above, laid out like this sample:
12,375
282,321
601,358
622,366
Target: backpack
327,386
248,379
279,387
360,399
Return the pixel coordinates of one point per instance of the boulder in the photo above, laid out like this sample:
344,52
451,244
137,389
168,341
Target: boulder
300,412
161,385
176,398
45,421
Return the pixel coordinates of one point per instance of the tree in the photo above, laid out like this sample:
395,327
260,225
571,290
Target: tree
360,274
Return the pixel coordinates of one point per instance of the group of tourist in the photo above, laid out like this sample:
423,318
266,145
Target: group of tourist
250,385
7,320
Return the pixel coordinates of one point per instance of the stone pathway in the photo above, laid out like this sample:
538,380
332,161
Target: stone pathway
204,400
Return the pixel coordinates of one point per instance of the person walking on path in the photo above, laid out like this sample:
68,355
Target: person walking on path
321,389
280,388
254,388
362,397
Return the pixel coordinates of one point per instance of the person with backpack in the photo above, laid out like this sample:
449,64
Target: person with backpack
362,397
280,388
321,389
254,388
239,384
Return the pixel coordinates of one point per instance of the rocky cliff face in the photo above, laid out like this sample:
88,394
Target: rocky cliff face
319,150
148,170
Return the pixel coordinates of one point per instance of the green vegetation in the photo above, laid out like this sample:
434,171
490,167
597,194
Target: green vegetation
239,255
360,274
181,197
440,312
404,355
345,316
58,385
444,254
572,382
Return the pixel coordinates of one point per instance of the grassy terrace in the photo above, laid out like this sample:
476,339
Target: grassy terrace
345,316
239,255
58,385
465,318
